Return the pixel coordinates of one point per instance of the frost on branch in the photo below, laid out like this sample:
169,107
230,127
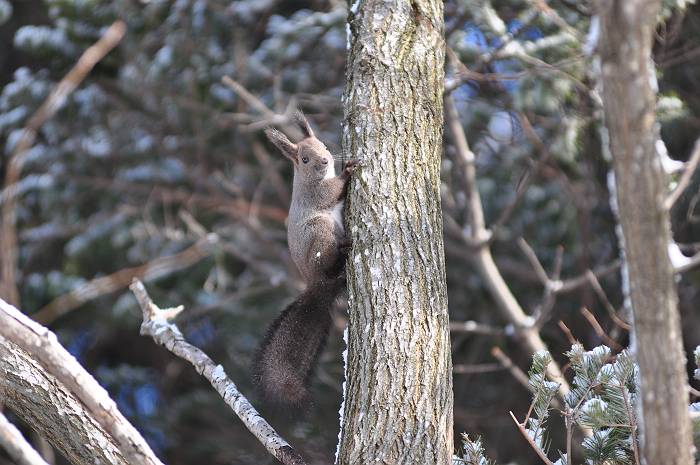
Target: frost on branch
602,401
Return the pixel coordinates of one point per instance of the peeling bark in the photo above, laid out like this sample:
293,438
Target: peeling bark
43,402
629,100
398,403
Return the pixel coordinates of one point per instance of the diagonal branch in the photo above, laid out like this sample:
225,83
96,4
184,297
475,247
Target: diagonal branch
684,182
42,401
156,323
43,345
534,446
8,238
152,270
499,290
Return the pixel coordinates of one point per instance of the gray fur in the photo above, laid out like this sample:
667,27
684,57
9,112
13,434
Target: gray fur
317,243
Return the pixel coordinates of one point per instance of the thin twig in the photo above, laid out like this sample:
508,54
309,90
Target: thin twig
599,330
568,420
462,369
544,155
8,239
514,370
156,268
572,284
497,286
633,424
270,117
554,16
156,324
527,437
474,327
684,182
567,332
249,98
534,262
550,285
606,302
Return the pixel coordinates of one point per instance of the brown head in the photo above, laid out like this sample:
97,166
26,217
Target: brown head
312,160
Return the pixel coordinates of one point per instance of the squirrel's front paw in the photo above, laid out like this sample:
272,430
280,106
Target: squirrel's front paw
351,165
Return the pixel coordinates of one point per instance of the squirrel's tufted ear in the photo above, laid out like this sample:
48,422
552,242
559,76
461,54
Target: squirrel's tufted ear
281,141
303,124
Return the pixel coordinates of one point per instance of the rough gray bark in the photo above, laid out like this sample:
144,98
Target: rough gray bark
43,402
44,347
627,28
398,401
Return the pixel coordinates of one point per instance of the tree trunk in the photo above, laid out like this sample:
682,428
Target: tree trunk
398,399
42,402
627,28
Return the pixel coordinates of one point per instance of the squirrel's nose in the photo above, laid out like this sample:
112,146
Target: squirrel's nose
324,161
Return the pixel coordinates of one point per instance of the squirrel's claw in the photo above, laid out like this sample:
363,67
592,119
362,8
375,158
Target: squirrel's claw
352,164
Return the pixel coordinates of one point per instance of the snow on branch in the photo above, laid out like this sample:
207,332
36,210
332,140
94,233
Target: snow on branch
42,345
156,323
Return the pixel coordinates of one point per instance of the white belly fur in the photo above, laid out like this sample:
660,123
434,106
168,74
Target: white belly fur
337,215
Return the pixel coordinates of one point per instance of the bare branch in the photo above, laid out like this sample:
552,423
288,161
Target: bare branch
567,332
572,284
548,11
497,286
544,156
269,117
508,364
157,325
152,270
612,343
684,182
475,369
8,238
632,416
523,431
534,262
43,345
16,446
475,327
249,98
606,302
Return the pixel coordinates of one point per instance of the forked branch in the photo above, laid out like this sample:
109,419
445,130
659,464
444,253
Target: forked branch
157,324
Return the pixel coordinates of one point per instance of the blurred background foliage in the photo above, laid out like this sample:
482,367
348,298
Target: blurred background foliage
153,156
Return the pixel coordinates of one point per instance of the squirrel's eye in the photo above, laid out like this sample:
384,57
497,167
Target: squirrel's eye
305,159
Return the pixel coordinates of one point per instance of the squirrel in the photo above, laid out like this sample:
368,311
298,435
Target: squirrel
287,355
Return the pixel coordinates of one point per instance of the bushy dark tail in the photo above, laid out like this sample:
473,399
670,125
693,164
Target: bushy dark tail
287,355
